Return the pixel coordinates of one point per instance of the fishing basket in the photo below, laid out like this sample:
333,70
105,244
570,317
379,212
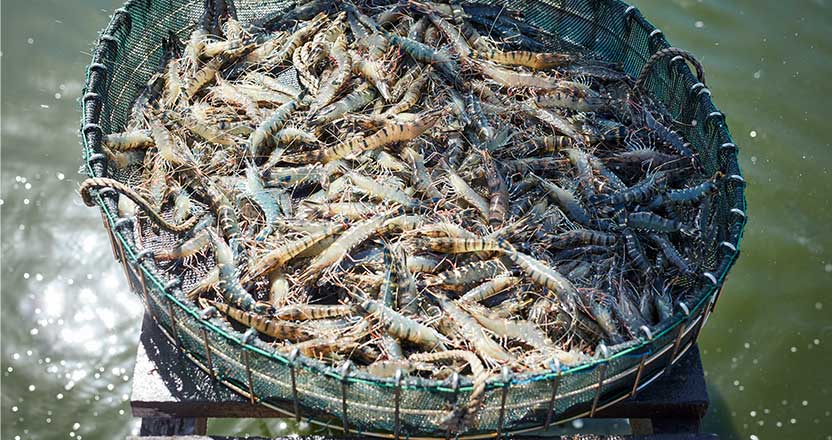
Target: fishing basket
127,53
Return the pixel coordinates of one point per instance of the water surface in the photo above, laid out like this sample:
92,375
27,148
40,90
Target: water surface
70,326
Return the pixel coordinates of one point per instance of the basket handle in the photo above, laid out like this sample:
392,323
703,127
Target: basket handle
670,51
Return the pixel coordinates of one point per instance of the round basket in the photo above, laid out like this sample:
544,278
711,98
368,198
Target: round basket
128,51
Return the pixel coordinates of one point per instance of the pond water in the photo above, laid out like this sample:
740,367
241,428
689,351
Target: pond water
70,325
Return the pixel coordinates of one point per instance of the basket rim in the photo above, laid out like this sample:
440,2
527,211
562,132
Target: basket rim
641,346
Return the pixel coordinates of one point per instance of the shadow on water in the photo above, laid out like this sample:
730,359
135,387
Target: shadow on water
719,419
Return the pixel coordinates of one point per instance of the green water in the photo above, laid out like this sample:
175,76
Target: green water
70,326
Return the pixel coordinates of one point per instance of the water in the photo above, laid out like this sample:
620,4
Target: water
70,327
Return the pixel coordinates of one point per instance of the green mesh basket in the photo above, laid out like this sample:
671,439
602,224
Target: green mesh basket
128,51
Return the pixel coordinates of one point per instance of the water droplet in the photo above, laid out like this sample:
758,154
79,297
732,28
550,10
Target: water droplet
753,133
32,388
60,175
30,40
75,426
818,305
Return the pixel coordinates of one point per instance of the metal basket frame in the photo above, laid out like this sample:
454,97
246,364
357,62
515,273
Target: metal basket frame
637,364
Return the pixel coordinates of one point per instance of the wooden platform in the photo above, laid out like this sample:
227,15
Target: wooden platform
175,398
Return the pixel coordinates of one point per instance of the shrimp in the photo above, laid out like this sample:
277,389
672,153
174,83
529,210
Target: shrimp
456,279
348,210
465,245
648,221
129,140
271,125
532,60
263,95
226,92
423,53
360,97
388,368
422,264
411,95
671,253
294,41
643,191
371,71
342,74
392,133
489,288
498,202
577,237
381,191
407,297
278,289
186,248
467,193
229,285
472,331
508,328
571,97
278,257
510,78
544,276
567,201
204,76
168,146
421,177
274,84
333,255
203,129
400,326
269,327
311,312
